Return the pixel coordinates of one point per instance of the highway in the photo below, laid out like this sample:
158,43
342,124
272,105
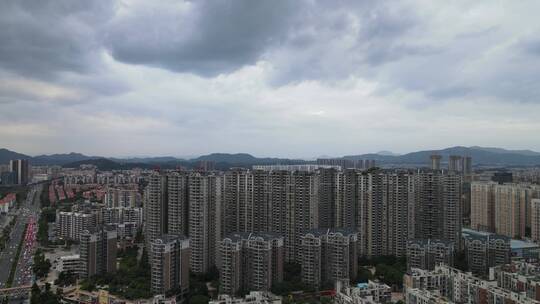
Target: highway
27,213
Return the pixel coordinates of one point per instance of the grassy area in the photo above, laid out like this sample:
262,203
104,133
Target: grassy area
16,259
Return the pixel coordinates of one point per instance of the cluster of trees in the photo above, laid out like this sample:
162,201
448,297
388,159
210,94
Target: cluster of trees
388,269
48,215
292,281
131,281
198,293
45,296
66,278
41,265
6,232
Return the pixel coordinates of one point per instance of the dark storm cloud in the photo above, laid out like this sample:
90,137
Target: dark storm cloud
42,38
202,37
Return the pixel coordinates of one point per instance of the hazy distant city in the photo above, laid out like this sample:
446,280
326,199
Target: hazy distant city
269,152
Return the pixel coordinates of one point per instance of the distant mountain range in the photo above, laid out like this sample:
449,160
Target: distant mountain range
480,156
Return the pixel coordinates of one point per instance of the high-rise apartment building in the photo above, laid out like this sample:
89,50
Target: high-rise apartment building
328,190
70,225
328,255
435,162
385,206
250,261
177,203
98,251
512,203
483,206
120,197
485,250
428,253
155,207
454,163
237,201
20,169
437,210
204,228
345,201
535,219
169,263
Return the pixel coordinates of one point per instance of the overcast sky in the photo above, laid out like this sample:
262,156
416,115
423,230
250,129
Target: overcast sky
271,78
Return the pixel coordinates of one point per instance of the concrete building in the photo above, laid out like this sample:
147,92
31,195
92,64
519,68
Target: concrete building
328,196
254,297
485,250
250,261
98,251
428,253
155,207
437,210
177,203
449,285
72,264
483,206
127,220
535,220
454,163
69,225
328,255
169,263
238,205
362,293
120,197
20,169
205,192
435,162
512,202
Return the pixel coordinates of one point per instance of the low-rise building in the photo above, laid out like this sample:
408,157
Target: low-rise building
361,293
254,297
71,263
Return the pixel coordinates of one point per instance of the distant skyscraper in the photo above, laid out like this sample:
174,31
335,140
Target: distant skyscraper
454,163
20,168
435,162
169,263
467,165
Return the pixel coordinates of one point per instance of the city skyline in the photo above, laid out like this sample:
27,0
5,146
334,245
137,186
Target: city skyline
276,78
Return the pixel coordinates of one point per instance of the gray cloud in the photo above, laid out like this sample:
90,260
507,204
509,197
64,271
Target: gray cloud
201,37
136,77
42,38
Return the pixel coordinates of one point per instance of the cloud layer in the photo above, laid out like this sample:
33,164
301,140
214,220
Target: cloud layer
282,78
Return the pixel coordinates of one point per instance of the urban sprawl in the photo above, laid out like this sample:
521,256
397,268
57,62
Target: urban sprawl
335,231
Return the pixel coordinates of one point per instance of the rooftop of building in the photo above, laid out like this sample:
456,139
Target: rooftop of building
237,236
325,231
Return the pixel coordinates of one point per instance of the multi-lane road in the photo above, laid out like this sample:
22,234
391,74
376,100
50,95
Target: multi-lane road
28,213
